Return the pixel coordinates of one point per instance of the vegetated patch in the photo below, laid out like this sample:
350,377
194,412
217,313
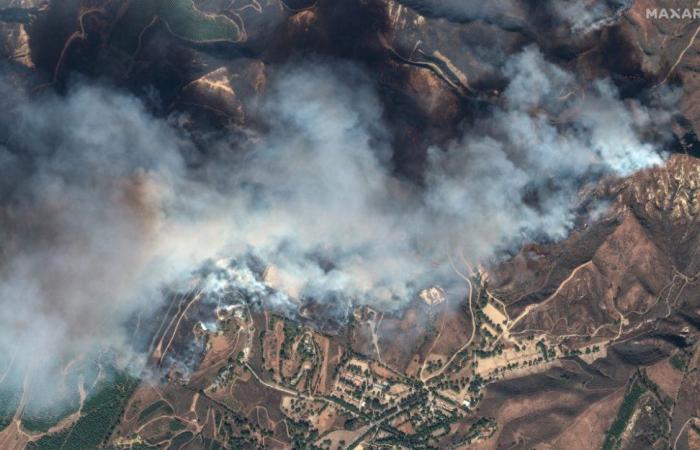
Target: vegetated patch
10,396
100,414
44,421
183,20
187,22
38,416
9,401
150,410
42,418
211,444
176,425
181,440
291,332
624,414
678,361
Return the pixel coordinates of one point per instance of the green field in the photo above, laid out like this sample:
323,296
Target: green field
181,439
176,425
623,416
182,19
100,414
153,408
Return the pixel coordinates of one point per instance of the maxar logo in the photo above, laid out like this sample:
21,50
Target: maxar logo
673,13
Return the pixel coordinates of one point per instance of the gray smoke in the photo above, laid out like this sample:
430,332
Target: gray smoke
580,16
504,12
480,180
588,15
92,225
317,199
100,210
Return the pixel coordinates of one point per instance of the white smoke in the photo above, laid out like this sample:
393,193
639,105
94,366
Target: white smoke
103,211
588,15
579,16
92,225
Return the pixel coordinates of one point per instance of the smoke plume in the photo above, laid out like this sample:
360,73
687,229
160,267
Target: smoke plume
102,208
580,16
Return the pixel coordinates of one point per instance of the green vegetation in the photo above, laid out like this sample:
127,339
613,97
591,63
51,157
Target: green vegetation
41,422
678,361
176,425
210,444
306,348
153,408
9,401
482,427
623,415
187,22
100,414
40,418
543,349
181,17
291,331
497,350
481,317
476,384
301,433
434,366
240,431
181,440
344,404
